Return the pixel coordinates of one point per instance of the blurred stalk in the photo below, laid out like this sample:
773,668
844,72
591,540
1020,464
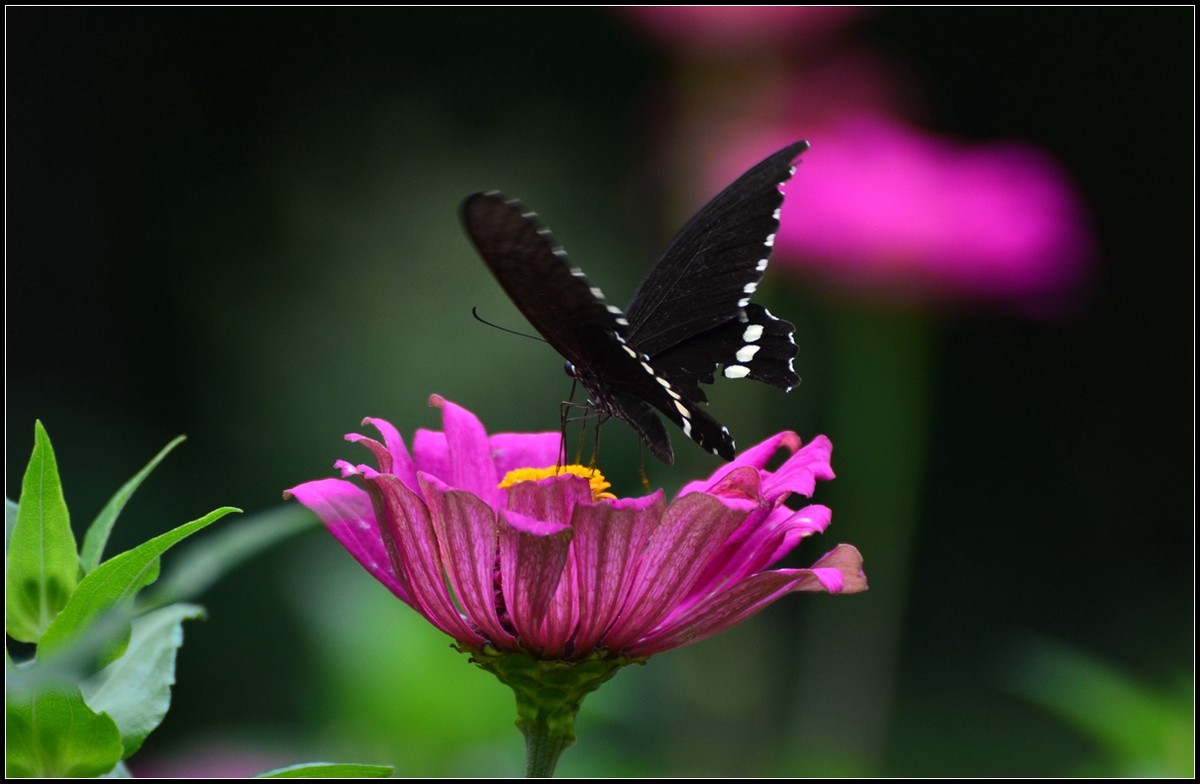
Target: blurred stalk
848,651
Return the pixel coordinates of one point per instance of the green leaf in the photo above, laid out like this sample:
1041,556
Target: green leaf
328,770
53,733
206,560
113,582
43,567
97,533
135,690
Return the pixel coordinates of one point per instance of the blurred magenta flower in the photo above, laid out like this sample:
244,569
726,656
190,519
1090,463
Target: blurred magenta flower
892,212
558,569
721,29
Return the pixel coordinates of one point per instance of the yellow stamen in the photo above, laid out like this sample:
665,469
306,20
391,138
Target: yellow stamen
593,475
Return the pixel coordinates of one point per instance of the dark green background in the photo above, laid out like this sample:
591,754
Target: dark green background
241,225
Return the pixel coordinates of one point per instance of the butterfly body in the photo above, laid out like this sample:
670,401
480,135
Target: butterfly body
690,315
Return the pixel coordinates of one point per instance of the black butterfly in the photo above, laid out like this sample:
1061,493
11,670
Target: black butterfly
689,315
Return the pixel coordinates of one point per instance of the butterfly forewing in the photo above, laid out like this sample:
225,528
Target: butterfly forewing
557,299
715,262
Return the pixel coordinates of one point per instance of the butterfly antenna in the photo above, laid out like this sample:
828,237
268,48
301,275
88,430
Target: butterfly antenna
482,320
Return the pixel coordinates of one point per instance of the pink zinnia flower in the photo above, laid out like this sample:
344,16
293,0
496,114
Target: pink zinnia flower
555,581
547,567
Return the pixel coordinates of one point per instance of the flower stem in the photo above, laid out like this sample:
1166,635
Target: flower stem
544,743
549,694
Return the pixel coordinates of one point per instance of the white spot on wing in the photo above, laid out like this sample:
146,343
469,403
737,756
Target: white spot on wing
629,351
737,371
613,309
597,293
775,214
752,333
769,241
750,288
624,322
761,265
743,302
687,427
646,367
682,409
746,353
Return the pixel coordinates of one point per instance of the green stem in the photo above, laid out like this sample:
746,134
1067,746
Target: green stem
549,694
544,743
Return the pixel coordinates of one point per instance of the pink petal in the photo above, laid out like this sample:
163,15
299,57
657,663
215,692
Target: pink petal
756,456
524,450
431,453
609,538
471,467
693,528
758,546
839,571
402,462
412,543
346,511
467,541
533,554
800,472
550,500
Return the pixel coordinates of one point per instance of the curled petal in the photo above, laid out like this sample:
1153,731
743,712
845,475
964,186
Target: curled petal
800,472
756,456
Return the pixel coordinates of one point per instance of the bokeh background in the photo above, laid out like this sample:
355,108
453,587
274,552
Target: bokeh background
242,225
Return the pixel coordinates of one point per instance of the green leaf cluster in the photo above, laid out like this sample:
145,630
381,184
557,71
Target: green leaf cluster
100,674
93,678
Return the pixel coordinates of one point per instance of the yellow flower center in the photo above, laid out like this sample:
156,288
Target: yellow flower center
595,478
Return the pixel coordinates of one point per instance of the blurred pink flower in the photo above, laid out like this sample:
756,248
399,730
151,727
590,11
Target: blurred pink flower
721,29
554,569
890,211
